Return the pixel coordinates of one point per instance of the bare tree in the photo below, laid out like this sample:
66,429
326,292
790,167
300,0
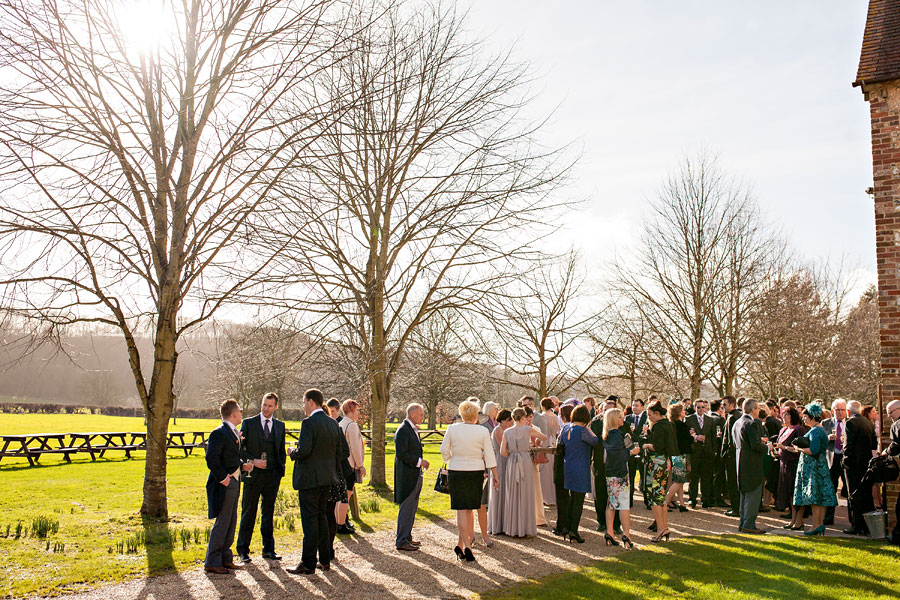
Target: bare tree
130,170
539,329
99,387
856,362
416,195
624,340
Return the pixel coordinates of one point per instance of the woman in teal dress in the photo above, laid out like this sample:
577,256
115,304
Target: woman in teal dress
813,485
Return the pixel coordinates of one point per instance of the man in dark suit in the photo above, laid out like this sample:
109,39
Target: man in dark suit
720,483
749,440
703,431
223,486
729,456
834,427
860,445
639,425
318,459
264,443
408,466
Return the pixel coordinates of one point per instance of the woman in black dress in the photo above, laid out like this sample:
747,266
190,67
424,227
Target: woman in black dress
680,462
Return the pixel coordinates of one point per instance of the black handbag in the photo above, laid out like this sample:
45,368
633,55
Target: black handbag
442,483
800,442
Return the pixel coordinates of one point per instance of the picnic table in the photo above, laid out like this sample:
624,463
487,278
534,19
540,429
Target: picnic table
426,436
174,440
32,445
109,440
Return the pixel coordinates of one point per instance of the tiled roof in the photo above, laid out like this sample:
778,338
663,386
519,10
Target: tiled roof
880,56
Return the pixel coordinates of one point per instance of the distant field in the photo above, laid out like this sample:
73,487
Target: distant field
96,505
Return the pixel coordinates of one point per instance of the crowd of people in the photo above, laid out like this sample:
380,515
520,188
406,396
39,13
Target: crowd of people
504,467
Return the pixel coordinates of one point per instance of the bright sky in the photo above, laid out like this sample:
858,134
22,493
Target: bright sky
764,84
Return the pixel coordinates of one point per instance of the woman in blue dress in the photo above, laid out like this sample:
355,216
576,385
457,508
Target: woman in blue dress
578,441
813,486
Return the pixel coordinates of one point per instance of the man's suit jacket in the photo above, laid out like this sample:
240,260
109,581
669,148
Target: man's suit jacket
318,455
747,433
830,426
728,447
636,423
223,456
860,442
407,454
718,426
254,442
705,448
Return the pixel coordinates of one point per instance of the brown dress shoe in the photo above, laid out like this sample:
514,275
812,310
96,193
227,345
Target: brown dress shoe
414,543
324,566
408,548
233,566
753,531
301,570
217,570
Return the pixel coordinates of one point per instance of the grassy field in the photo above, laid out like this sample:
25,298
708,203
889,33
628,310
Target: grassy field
100,536
733,567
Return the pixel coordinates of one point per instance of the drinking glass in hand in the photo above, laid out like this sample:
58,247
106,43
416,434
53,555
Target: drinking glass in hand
263,457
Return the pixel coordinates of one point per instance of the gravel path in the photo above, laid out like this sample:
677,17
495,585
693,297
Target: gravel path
368,566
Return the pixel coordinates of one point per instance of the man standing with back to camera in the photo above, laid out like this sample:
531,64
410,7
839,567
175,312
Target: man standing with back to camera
264,444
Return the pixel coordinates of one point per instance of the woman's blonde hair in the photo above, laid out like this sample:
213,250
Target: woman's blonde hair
468,410
608,417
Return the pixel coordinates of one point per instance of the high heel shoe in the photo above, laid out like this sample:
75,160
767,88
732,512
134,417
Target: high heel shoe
652,526
487,543
459,553
626,541
469,556
610,540
820,530
797,528
574,537
659,538
682,508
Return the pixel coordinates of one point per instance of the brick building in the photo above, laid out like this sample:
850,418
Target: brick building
879,78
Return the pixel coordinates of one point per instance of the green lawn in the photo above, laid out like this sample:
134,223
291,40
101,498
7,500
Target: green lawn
733,567
96,505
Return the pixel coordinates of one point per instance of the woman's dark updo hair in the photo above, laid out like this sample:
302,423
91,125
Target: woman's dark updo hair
581,414
528,411
565,412
504,415
793,417
658,408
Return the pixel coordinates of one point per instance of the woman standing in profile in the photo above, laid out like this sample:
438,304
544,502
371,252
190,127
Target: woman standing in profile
468,452
518,497
496,509
680,464
661,445
578,441
813,485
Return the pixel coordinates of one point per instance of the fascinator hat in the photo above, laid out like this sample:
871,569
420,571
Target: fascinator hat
815,410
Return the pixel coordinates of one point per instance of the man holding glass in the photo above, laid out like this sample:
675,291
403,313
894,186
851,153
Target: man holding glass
264,445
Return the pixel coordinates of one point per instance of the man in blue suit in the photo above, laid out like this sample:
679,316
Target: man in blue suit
223,486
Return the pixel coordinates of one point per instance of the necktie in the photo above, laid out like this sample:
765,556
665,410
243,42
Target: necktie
268,431
838,442
700,419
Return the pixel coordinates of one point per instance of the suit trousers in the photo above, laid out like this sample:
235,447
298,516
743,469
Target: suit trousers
864,501
263,484
406,516
332,530
720,482
701,479
837,474
635,466
563,499
576,507
314,520
734,489
750,507
221,536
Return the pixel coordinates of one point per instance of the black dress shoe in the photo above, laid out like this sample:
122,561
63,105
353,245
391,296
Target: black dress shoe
244,557
271,556
343,529
324,566
855,531
301,570
730,513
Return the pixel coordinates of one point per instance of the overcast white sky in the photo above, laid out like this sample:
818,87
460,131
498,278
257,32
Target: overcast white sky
765,84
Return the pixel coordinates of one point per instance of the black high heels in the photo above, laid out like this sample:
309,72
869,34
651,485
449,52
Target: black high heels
459,553
665,534
610,540
626,541
469,556
652,526
574,537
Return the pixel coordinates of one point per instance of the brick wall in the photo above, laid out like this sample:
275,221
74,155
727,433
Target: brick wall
884,107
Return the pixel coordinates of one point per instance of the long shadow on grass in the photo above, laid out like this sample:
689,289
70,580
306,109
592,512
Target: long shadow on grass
160,560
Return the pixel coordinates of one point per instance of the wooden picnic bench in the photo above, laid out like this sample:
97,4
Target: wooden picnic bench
109,440
32,445
426,436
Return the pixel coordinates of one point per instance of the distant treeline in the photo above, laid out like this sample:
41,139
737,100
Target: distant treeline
289,414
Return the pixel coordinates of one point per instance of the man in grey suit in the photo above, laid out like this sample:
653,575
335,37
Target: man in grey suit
703,430
751,449
835,427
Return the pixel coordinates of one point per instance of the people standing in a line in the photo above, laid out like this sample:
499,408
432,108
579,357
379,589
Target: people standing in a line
788,459
640,427
681,461
834,427
702,428
563,496
814,486
551,430
750,442
468,452
578,441
357,445
317,469
619,448
660,446
496,505
518,482
860,445
729,456
408,467
223,486
893,413
264,444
